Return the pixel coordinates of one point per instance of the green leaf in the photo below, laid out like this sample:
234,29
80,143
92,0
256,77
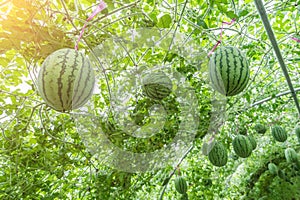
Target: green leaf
243,13
150,2
201,22
248,97
231,15
165,21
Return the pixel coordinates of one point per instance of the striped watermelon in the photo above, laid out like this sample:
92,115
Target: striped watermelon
260,128
218,155
229,71
156,85
180,185
297,131
242,146
252,141
279,133
291,155
66,80
273,168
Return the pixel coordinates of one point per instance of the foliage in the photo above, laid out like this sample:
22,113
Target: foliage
43,154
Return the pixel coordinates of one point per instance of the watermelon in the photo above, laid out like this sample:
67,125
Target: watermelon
253,141
156,85
291,155
229,71
180,185
242,146
66,80
297,131
273,168
279,133
218,155
260,128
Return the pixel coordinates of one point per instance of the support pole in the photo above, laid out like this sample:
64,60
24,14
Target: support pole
263,15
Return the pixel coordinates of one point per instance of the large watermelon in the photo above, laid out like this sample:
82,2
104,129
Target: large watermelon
156,85
66,80
242,146
218,155
229,71
279,133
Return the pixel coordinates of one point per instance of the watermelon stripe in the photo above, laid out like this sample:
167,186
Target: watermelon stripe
238,62
44,74
218,74
236,76
91,74
222,72
60,82
243,71
71,80
79,80
83,98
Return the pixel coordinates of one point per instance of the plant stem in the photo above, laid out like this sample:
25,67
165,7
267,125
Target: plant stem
263,15
270,98
167,180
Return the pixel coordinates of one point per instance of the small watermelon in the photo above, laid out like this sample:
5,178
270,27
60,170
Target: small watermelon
260,128
279,133
242,146
229,71
218,155
156,85
180,185
281,174
253,141
273,168
291,155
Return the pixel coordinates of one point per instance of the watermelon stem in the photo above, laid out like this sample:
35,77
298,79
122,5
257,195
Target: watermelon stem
167,180
101,6
221,35
262,101
296,39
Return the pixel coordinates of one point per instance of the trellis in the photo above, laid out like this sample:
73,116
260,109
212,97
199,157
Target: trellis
176,23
